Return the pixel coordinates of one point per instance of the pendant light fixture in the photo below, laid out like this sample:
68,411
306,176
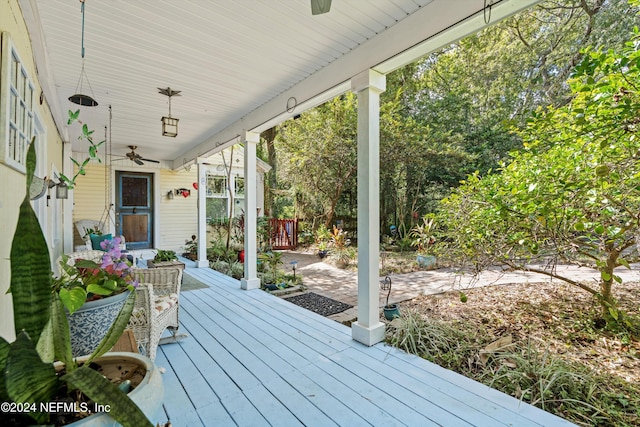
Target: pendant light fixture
169,124
80,98
318,7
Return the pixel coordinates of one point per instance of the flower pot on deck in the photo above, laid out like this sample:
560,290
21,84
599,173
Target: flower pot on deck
148,393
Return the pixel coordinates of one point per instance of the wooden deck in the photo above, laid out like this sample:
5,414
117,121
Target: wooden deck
252,359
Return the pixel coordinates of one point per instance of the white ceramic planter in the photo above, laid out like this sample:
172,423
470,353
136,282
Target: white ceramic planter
148,395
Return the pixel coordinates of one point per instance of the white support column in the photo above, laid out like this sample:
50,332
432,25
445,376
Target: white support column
202,216
368,85
250,279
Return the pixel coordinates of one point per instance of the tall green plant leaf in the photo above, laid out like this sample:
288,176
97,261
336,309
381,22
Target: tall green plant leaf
30,266
45,346
116,330
28,379
4,352
61,338
104,392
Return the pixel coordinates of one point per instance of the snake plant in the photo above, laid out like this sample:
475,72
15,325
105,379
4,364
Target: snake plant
28,375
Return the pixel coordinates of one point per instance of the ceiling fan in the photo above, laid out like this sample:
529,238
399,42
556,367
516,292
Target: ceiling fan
135,157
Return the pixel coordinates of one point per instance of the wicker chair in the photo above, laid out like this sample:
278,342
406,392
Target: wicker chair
91,255
156,308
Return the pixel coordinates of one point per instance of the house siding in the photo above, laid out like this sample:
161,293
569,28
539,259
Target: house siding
13,182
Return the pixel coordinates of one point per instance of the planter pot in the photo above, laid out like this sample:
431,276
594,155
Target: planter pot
341,263
391,311
148,395
322,254
89,325
426,261
241,256
165,264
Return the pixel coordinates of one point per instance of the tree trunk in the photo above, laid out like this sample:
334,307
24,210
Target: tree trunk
269,136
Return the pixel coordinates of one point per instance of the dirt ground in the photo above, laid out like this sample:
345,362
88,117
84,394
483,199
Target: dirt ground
552,316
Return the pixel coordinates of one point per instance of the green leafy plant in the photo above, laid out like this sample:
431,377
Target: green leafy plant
422,235
42,333
86,135
273,260
85,280
571,196
191,248
341,250
165,255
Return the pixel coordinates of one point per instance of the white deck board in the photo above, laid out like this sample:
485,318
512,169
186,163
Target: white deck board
252,359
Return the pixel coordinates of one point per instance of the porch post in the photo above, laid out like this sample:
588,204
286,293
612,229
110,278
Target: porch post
368,85
202,216
250,279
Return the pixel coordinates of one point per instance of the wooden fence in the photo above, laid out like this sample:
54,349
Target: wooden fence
283,233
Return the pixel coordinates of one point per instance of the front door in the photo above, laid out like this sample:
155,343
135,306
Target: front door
134,208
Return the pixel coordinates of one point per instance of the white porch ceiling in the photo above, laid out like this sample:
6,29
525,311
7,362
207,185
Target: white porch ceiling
237,62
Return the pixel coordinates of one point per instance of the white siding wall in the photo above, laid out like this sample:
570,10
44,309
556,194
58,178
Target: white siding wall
178,217
12,183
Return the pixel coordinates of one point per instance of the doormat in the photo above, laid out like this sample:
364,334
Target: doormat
189,283
318,304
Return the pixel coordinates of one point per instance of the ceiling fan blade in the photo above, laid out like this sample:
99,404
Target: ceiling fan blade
150,160
138,162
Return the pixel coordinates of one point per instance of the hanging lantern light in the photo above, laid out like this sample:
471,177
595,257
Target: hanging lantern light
169,124
62,190
80,98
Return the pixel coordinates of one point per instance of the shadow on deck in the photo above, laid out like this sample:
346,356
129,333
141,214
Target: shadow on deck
252,359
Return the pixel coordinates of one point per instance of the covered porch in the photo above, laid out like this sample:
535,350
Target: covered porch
254,359
231,93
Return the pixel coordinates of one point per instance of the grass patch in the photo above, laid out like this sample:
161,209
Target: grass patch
527,369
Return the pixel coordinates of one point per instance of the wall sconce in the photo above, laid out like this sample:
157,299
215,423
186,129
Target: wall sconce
169,124
170,195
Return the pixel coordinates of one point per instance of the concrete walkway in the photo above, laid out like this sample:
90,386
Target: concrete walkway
341,285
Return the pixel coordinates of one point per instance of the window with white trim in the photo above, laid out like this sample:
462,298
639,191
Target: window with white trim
217,198
218,203
16,108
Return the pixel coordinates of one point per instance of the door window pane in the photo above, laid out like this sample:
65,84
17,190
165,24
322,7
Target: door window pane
134,191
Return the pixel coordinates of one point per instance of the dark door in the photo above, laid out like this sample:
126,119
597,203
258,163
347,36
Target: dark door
134,209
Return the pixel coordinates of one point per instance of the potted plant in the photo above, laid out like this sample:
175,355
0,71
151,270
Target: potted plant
165,258
190,248
28,375
423,238
273,277
391,311
93,293
323,236
341,250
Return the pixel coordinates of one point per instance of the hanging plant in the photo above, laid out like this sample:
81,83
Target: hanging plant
87,135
